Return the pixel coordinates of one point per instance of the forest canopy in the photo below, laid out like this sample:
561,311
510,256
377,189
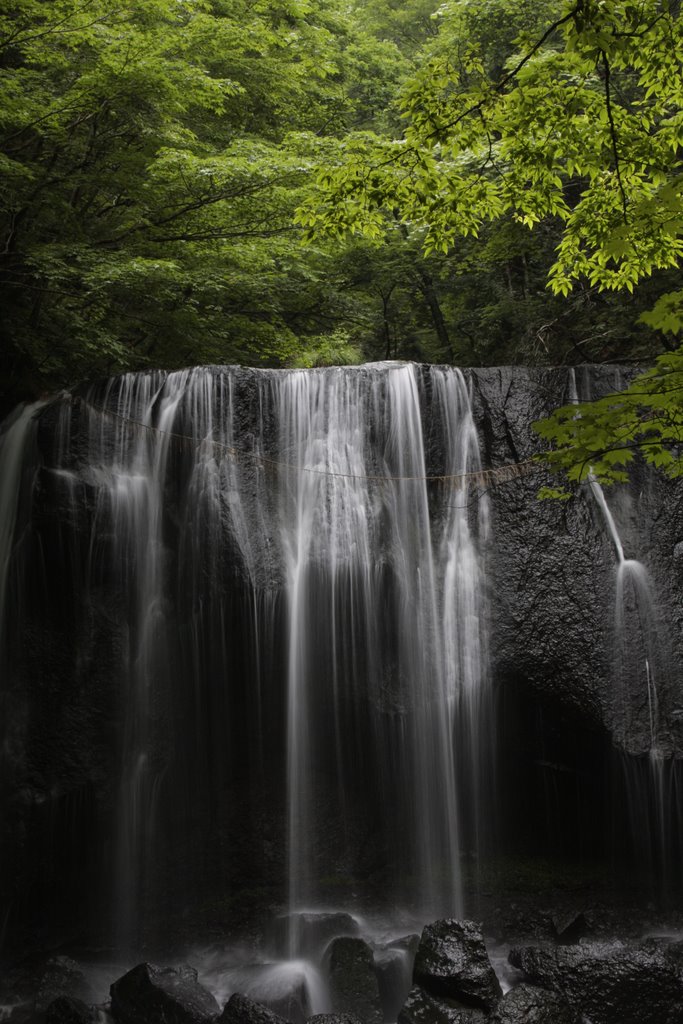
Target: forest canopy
315,182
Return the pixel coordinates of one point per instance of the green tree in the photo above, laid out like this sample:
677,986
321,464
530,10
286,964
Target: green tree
579,129
152,156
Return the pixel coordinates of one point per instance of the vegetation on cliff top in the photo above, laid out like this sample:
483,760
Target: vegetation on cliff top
313,181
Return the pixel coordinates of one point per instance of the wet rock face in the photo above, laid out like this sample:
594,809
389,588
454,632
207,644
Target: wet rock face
609,983
552,565
452,961
171,995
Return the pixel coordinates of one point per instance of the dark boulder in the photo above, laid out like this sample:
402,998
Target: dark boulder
167,995
242,1010
528,1005
610,983
353,983
452,961
67,1010
422,1008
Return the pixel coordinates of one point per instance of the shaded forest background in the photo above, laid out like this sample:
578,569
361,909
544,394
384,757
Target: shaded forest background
153,156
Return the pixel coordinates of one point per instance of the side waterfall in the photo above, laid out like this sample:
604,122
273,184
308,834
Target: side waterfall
640,663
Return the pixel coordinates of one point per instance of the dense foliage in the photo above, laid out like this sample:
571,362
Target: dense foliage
313,181
579,132
153,154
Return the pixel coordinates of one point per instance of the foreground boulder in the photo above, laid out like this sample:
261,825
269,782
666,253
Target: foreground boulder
161,995
422,1008
353,982
452,961
608,982
528,1005
242,1010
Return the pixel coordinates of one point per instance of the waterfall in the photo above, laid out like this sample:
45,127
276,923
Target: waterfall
290,569
376,595
14,443
251,624
639,666
638,646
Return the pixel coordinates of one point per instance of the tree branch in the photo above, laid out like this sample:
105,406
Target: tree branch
54,30
613,134
500,85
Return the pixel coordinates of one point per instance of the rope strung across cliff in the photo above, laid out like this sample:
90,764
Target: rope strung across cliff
480,477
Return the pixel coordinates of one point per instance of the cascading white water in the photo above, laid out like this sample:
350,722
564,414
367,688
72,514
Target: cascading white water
129,464
462,641
637,645
298,508
354,516
262,597
13,444
137,429
638,666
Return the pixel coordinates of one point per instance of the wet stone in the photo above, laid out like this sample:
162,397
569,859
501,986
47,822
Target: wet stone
161,995
528,1005
422,1008
608,982
452,961
240,1009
